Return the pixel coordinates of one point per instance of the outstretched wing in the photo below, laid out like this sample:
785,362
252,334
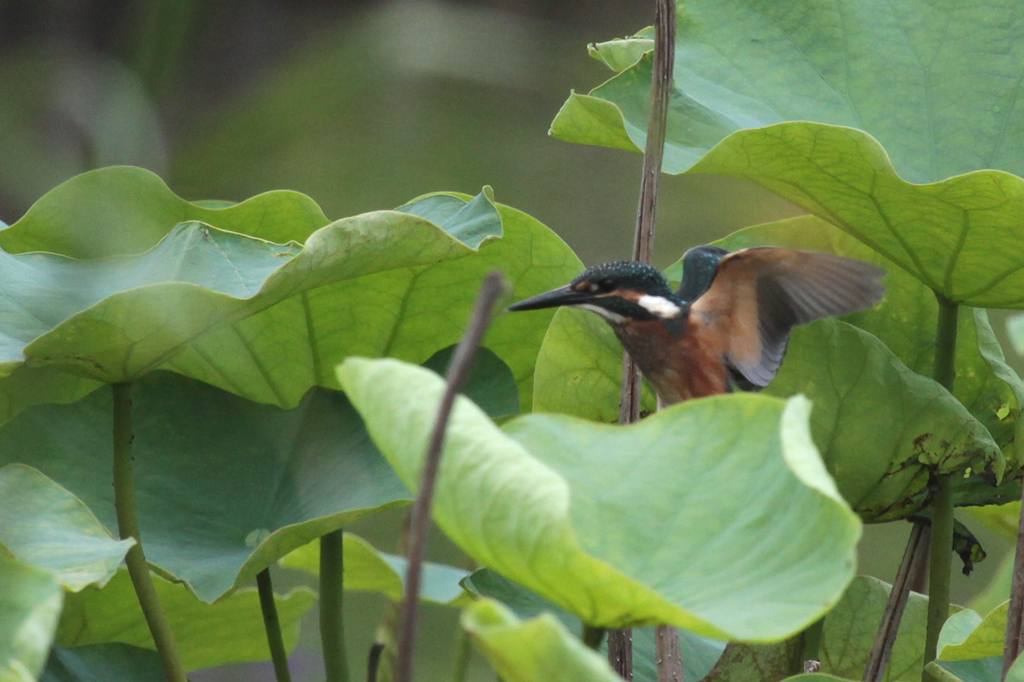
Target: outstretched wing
758,295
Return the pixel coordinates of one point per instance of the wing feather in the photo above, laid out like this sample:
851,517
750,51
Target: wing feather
758,295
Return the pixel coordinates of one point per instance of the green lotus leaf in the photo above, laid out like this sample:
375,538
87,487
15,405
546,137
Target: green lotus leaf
251,316
841,369
103,663
228,631
621,53
699,653
762,93
489,384
966,635
30,604
551,517
1015,328
847,637
971,648
115,319
122,210
537,649
225,487
367,569
817,677
850,630
46,526
408,313
742,662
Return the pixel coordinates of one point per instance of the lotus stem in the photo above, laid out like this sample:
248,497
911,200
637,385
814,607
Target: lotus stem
462,361
128,527
332,602
811,641
941,554
1014,631
592,636
272,624
462,652
913,556
620,642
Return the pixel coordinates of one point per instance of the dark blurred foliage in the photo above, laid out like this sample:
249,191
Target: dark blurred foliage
362,105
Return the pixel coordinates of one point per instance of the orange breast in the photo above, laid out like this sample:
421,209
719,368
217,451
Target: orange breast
679,366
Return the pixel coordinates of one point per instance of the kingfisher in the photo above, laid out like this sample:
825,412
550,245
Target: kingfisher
727,327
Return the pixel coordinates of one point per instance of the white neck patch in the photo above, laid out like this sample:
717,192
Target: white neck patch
606,314
659,306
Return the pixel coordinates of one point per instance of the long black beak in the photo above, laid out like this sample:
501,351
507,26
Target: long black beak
552,299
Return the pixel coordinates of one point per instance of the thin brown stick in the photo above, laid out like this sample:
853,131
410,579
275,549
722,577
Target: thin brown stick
1014,633
462,360
668,656
661,92
913,556
620,642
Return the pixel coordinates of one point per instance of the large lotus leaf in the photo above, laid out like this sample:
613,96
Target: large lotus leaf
850,630
230,630
762,92
579,366
764,546
44,525
30,602
906,321
1015,328
699,653
743,662
103,663
225,487
537,649
966,635
971,648
114,319
367,569
123,210
408,313
839,368
847,637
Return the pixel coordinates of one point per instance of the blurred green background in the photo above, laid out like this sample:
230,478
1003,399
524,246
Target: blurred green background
361,105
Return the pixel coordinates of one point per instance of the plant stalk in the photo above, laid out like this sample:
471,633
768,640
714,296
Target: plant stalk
1014,631
462,360
811,643
460,669
272,624
941,553
881,651
128,527
620,642
668,657
592,636
332,602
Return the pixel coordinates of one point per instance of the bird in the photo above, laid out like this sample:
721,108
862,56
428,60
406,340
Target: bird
727,327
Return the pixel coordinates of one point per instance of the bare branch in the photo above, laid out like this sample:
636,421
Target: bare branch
462,360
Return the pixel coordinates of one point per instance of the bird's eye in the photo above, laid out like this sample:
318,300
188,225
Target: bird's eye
606,285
